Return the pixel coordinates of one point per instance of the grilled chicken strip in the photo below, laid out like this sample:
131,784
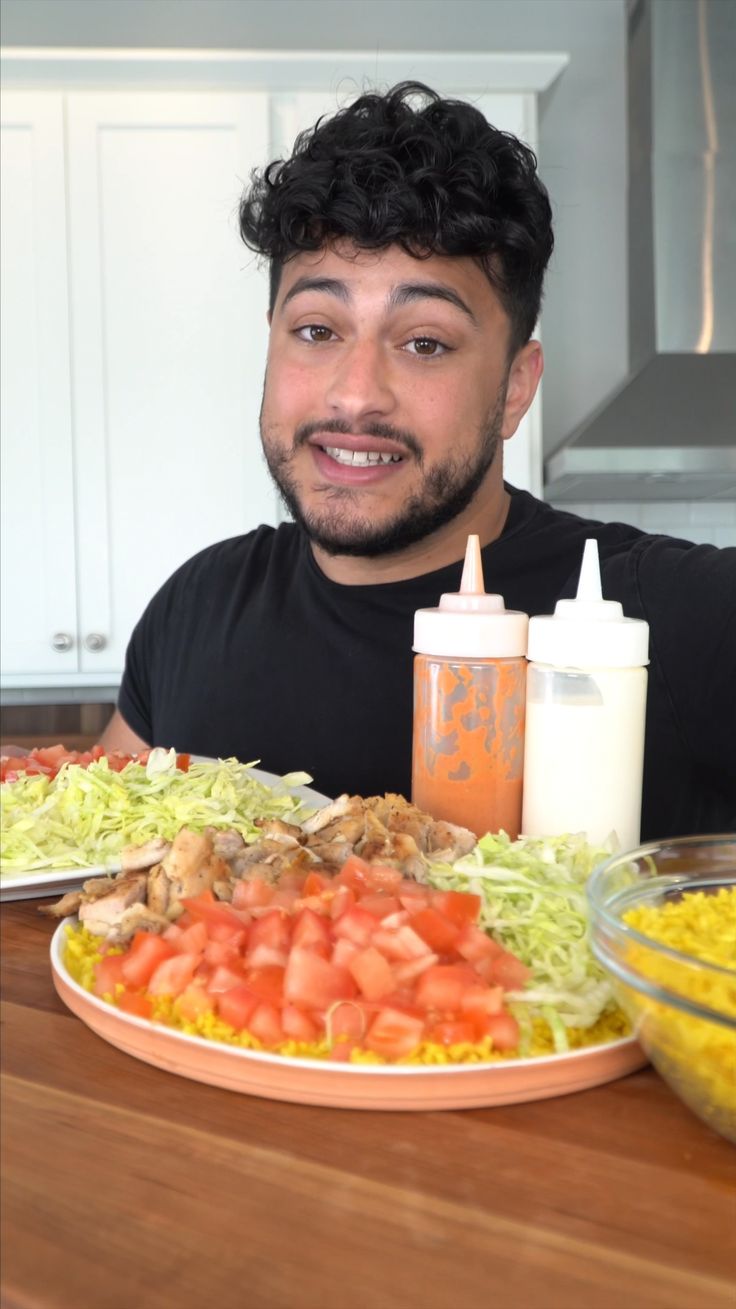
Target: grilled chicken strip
190,867
102,913
133,857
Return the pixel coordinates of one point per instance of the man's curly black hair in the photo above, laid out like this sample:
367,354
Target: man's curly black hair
433,178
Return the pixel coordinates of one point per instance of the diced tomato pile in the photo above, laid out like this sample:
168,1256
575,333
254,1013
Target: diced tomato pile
368,959
47,760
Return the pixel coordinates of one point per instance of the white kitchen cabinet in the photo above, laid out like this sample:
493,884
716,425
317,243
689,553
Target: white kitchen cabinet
161,365
38,557
134,341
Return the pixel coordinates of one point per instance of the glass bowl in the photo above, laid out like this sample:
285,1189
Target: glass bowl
683,1009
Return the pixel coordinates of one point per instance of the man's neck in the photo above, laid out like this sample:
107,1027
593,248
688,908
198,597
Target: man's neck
447,546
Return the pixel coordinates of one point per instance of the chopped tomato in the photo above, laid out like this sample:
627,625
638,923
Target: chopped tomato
311,929
342,900
459,906
403,943
342,952
297,1025
503,1030
132,1002
236,1006
442,988
439,933
273,930
267,983
146,952
355,925
509,972
265,1024
474,944
394,1034
225,977
347,1021
454,1031
173,975
407,972
109,974
355,874
219,918
48,759
194,1002
252,893
482,1000
380,905
315,884
384,879
372,972
313,983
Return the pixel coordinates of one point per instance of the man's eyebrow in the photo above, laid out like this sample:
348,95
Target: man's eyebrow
408,292
328,285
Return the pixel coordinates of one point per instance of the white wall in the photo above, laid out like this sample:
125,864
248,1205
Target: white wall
712,522
581,127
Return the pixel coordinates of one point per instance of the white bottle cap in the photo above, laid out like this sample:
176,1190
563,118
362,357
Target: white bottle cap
469,624
589,632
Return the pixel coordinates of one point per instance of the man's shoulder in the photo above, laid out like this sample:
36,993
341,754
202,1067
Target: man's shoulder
263,548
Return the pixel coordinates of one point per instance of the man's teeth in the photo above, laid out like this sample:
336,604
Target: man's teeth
361,458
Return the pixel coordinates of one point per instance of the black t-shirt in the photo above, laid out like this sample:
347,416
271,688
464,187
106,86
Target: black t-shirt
250,651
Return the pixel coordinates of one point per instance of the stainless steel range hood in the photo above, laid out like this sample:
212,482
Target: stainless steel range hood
669,431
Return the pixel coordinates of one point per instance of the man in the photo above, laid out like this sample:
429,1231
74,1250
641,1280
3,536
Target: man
407,242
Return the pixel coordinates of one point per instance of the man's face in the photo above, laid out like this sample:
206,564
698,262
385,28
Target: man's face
385,394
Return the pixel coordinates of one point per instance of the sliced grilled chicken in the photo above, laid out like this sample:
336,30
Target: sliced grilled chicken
134,857
101,913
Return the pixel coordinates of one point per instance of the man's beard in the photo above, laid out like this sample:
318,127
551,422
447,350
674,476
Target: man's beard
447,490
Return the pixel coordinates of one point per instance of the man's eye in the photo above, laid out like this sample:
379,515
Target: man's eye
426,346
315,333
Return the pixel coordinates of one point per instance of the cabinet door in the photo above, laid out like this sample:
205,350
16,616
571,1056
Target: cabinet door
169,343
37,585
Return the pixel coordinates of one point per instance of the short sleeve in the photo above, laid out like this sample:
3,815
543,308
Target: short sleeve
688,595
134,698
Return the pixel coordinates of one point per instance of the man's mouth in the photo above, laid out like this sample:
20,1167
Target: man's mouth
359,458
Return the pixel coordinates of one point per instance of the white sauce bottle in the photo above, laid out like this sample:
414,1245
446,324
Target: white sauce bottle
585,716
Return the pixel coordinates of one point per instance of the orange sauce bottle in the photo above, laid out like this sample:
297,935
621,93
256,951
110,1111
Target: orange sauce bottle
469,704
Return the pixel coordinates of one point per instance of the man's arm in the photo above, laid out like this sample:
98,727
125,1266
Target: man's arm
118,736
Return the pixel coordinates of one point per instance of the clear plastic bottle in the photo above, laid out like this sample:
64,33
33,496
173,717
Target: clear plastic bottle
585,716
469,698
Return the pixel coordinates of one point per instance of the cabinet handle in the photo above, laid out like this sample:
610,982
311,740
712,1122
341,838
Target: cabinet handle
95,642
61,642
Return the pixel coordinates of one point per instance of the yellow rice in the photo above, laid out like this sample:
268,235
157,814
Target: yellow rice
83,952
696,1055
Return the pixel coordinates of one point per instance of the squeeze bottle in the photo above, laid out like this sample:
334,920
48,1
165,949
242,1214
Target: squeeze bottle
469,692
585,711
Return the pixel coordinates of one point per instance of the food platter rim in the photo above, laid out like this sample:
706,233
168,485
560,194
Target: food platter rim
315,1065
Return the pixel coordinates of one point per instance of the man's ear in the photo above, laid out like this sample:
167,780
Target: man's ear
269,316
524,378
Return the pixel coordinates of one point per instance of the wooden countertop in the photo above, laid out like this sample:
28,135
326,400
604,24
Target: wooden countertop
125,1187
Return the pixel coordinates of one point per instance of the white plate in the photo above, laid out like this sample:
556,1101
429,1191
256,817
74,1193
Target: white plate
57,881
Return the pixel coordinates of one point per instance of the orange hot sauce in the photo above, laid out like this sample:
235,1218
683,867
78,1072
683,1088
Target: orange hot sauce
468,750
469,706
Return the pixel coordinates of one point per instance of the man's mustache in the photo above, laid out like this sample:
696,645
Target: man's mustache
339,427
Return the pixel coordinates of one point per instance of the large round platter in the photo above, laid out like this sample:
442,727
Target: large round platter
343,1086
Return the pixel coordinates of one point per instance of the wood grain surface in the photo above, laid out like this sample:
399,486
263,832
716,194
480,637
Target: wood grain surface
124,1187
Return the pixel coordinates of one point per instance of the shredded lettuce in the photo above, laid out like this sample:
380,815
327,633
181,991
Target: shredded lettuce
534,903
83,817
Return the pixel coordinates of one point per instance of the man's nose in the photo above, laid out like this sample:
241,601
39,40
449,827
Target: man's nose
361,382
